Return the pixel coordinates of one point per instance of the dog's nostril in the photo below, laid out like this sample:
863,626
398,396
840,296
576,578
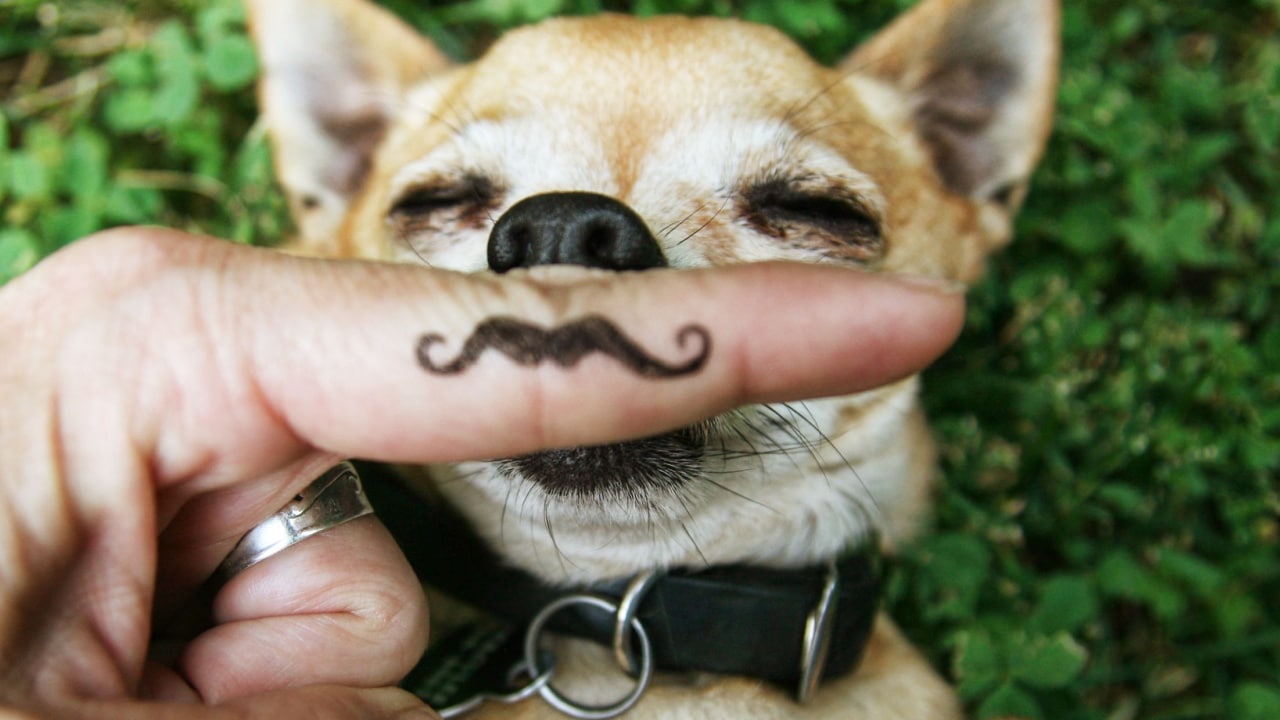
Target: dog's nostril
572,228
600,242
513,251
611,245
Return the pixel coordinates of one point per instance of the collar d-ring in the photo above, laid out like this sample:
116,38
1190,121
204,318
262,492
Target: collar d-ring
566,705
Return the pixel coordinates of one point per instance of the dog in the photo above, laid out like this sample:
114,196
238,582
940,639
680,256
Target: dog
624,144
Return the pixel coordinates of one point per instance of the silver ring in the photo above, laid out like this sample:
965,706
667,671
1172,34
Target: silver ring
333,499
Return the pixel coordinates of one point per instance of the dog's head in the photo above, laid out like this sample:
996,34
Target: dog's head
628,144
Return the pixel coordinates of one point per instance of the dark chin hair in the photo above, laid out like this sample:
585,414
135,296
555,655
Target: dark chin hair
629,471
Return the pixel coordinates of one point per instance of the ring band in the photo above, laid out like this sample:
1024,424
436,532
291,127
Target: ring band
335,498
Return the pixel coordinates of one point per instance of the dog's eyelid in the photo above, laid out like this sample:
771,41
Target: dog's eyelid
817,213
468,190
800,198
854,190
817,204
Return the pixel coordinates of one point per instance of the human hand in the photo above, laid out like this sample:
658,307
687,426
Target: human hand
163,394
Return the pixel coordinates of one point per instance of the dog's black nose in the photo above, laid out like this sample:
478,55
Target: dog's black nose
572,228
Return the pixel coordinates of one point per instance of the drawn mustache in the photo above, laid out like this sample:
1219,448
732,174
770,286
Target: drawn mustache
565,345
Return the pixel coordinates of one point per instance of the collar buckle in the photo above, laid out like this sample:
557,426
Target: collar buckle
628,605
816,645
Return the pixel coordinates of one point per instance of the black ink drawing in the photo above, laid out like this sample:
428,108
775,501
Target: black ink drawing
530,345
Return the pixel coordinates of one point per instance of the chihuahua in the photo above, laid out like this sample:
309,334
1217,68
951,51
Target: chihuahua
625,144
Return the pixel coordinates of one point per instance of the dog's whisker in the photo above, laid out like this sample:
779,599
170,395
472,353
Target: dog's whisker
801,415
666,230
789,428
434,116
709,220
722,454
754,452
811,444
822,92
413,248
456,477
564,560
458,125
684,527
687,514
502,516
802,133
826,440
530,488
741,496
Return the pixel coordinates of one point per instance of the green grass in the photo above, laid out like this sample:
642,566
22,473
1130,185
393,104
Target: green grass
1108,534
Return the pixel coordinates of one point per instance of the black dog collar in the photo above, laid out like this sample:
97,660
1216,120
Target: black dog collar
790,627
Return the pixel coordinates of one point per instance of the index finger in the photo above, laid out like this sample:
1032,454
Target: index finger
358,359
457,367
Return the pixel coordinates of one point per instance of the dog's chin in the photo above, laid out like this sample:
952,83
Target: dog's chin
634,472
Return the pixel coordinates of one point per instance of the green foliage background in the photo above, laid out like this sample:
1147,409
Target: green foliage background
1108,535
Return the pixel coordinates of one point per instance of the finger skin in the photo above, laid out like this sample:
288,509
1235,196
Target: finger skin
315,702
777,332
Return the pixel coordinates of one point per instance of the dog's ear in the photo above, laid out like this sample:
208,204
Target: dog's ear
980,77
333,72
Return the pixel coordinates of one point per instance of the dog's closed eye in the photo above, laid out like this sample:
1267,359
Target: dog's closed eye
829,220
468,200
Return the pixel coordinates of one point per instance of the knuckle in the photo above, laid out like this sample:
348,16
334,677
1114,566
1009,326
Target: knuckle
121,258
400,626
390,616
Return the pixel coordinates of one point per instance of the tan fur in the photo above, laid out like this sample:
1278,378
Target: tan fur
933,127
